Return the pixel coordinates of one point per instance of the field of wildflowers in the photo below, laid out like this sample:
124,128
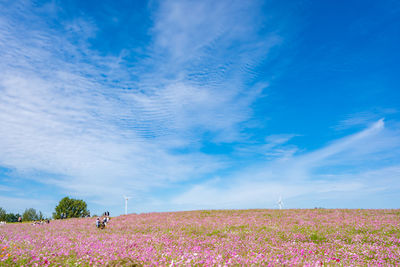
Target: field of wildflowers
218,237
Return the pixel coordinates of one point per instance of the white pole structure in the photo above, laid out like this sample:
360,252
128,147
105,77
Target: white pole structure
126,205
280,202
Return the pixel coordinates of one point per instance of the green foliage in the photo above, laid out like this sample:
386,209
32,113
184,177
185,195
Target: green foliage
11,217
3,214
214,232
317,238
125,262
73,208
31,215
8,217
283,235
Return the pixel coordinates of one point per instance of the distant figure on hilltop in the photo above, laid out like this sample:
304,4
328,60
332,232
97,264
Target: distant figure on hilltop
100,223
105,220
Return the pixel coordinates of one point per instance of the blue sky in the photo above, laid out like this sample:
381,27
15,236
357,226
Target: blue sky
199,104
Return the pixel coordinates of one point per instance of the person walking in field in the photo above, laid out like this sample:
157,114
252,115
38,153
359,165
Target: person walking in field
105,221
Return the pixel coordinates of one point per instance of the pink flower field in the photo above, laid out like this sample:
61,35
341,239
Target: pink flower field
315,237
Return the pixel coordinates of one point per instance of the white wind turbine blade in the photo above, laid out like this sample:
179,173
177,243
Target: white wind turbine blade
280,202
126,204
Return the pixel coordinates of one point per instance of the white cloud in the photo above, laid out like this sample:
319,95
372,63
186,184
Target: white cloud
100,126
63,115
308,174
363,118
19,204
345,145
275,147
5,188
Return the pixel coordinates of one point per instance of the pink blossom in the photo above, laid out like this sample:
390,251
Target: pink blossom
228,237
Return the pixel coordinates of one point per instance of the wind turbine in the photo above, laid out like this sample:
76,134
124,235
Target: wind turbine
126,204
280,202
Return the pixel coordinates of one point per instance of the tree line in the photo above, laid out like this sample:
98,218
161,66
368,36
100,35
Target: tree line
28,215
66,208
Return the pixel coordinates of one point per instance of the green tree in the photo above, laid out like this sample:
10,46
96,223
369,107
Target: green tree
73,208
11,217
31,215
3,214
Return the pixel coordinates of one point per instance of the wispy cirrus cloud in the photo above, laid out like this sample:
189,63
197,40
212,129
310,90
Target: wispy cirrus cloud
359,164
363,118
100,126
197,70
